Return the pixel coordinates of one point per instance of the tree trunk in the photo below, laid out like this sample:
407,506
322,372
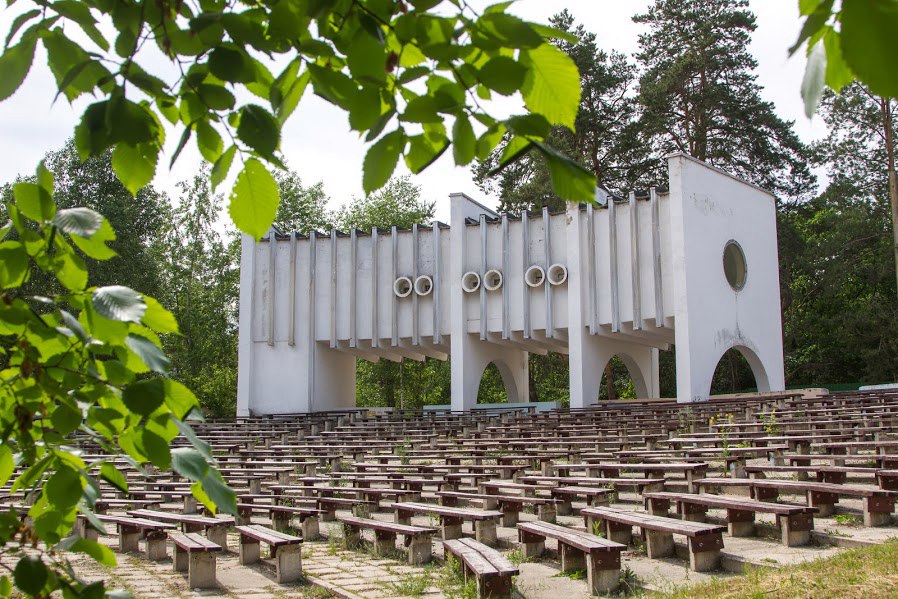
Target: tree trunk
886,104
609,380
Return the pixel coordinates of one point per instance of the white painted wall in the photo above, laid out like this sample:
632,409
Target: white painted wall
641,274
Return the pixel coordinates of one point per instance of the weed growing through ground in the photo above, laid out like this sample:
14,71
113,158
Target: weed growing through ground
848,520
629,582
413,584
452,581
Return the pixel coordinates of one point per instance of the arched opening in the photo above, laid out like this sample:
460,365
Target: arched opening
492,386
739,370
549,378
623,387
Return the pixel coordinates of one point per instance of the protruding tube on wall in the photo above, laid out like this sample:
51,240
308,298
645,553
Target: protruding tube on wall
492,280
402,287
423,285
470,281
557,274
535,276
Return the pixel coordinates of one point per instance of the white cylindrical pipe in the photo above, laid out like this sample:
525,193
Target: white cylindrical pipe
492,280
557,274
402,287
535,276
423,285
470,281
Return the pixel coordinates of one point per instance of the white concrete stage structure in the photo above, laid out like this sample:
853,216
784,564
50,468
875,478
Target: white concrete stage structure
695,266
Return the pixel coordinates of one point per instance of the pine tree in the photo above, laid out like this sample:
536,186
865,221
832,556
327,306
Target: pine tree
699,95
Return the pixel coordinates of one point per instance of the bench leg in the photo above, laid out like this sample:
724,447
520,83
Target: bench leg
403,517
352,536
878,510
384,543
485,531
571,558
218,534
692,512
659,544
255,487
796,530
330,512
493,586
824,502
510,517
419,549
619,533
189,504
244,517
740,523
451,528
546,513
704,552
179,559
603,572
564,507
201,571
288,563
309,527
250,551
156,550
532,546
128,539
280,522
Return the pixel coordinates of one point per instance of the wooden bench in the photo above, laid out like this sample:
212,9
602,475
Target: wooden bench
488,567
451,519
281,516
216,529
286,550
593,496
417,539
130,530
878,504
704,540
196,554
795,522
601,558
509,505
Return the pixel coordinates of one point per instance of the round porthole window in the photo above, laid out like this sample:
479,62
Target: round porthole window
734,267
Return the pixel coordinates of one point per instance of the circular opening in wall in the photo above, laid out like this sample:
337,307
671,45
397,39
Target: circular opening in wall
470,281
535,276
423,285
492,280
734,267
402,287
557,274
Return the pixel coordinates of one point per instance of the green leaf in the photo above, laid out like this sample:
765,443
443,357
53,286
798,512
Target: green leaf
197,490
95,245
156,448
814,79
208,141
254,199
119,303
366,59
34,201
14,66
513,150
13,264
868,43
135,166
101,553
259,130
290,99
570,181
838,75
158,318
143,397
71,271
503,74
189,463
78,221
222,166
230,64
64,487
424,149
220,493
66,418
552,85
215,97
113,476
204,448
7,464
30,574
149,353
464,144
5,584
381,159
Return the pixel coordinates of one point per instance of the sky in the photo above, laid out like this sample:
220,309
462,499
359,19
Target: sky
318,144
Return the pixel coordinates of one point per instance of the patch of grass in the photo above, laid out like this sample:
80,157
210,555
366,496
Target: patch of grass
866,572
516,556
572,574
848,520
451,581
629,582
412,584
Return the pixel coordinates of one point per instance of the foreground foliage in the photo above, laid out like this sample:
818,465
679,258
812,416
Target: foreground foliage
86,362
